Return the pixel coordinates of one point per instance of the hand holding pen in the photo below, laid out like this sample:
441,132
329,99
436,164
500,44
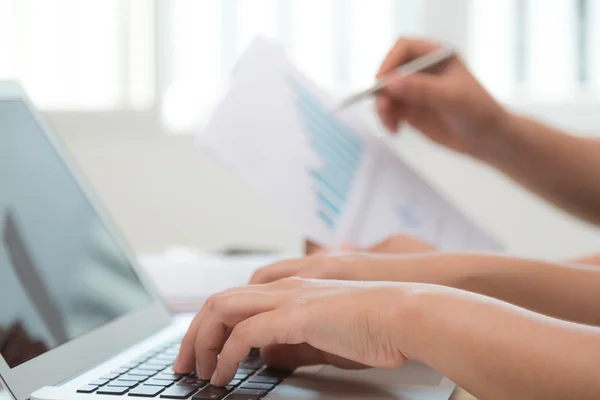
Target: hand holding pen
427,86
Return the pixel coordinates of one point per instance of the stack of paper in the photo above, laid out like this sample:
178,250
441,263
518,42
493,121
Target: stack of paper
326,172
185,278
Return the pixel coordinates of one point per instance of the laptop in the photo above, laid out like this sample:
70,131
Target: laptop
80,320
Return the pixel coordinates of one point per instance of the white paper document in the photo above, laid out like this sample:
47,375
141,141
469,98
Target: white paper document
325,172
186,280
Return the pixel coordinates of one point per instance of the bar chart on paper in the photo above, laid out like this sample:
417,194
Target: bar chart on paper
340,150
409,217
326,173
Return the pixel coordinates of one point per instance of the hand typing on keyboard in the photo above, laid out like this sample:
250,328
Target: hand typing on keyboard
296,322
152,376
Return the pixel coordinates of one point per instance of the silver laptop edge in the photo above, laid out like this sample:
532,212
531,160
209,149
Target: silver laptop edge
104,342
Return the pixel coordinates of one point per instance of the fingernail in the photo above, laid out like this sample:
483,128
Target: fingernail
214,379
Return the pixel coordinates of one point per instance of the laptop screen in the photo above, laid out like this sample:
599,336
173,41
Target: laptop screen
62,273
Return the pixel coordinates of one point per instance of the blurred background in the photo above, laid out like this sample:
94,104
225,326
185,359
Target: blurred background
127,83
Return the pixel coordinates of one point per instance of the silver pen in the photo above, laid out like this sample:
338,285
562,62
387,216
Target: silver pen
420,64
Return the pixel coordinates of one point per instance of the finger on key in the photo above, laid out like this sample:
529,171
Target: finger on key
282,326
186,359
223,312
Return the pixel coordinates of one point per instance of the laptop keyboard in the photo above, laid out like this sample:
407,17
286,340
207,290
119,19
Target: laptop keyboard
152,376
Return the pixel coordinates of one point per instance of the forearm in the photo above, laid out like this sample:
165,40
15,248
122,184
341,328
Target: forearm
566,292
498,351
588,260
562,169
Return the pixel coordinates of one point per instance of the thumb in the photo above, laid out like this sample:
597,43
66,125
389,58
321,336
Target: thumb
420,89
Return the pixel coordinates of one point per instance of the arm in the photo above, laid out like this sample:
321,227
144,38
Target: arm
493,349
498,351
563,291
454,110
562,169
568,292
588,260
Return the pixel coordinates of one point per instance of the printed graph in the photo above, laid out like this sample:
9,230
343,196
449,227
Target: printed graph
419,222
340,149
409,217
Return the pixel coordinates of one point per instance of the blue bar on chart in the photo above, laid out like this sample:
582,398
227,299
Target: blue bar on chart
409,217
340,149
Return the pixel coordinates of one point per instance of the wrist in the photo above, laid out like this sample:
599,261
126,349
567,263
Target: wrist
447,269
500,139
418,306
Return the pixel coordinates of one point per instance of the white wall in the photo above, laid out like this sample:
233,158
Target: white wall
164,191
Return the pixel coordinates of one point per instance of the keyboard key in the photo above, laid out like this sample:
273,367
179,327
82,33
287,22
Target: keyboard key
146,391
120,371
277,373
130,365
109,376
114,390
178,392
158,364
126,384
191,384
150,368
87,389
99,382
235,382
242,397
164,358
158,382
251,363
265,379
245,371
134,378
254,353
168,376
212,393
165,362
196,384
241,376
256,385
193,379
141,372
251,392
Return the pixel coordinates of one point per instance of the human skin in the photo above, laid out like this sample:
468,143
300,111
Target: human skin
492,349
